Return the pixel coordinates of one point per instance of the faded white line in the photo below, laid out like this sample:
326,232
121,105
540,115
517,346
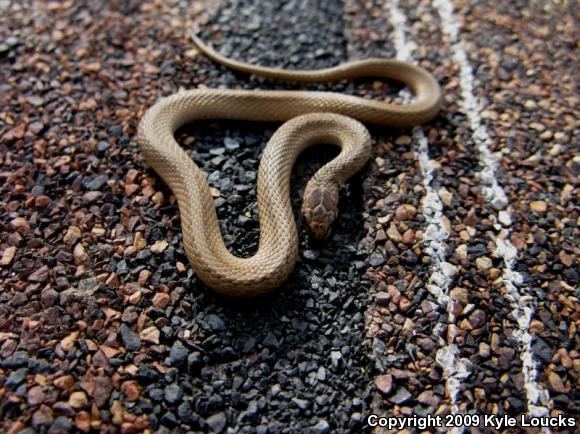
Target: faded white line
522,303
455,369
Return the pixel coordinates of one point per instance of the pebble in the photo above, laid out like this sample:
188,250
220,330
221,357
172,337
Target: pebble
384,383
215,322
8,44
66,382
401,396
83,421
217,422
130,339
483,263
446,196
159,247
78,399
16,378
97,182
303,404
460,295
393,233
80,254
49,297
131,390
403,140
139,242
161,300
310,254
484,350
40,275
336,358
556,383
150,334
91,196
8,255
405,212
251,413
231,144
69,341
143,278
321,427
173,394
542,350
478,318
61,424
35,395
461,252
382,298
404,304
539,206
102,147
505,218
429,398
178,354
376,259
42,417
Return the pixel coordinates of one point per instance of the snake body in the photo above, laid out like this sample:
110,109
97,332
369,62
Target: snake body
312,118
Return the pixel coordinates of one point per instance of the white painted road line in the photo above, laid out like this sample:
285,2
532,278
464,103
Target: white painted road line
442,274
537,397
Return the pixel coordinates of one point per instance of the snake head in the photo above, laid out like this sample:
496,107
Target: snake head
320,207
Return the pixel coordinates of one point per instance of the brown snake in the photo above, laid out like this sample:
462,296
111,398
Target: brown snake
313,118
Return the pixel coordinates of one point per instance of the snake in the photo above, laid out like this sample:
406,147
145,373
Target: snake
309,118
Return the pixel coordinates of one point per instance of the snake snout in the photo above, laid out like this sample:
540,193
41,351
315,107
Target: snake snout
319,207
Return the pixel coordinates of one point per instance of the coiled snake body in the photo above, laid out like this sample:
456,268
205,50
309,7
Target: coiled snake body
313,118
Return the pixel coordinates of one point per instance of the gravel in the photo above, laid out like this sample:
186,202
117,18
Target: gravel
101,298
524,108
102,322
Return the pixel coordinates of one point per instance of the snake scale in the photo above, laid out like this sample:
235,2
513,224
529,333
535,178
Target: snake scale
311,118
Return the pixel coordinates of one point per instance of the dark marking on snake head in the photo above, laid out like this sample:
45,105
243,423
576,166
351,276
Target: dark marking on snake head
314,198
328,201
